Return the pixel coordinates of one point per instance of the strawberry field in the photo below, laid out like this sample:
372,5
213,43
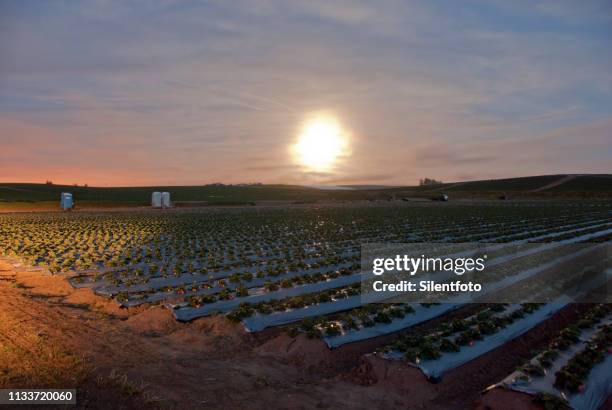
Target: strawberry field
299,268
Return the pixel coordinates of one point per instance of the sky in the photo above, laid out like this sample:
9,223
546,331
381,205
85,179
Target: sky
164,92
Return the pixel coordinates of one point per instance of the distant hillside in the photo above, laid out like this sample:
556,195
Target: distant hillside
545,183
542,185
536,186
510,184
370,187
587,183
214,194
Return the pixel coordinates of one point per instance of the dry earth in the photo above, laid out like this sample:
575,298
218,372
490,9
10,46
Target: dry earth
52,335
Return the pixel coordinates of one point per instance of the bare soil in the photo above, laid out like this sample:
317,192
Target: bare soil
52,335
504,399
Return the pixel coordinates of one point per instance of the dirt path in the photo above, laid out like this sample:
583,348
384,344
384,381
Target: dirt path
62,337
555,183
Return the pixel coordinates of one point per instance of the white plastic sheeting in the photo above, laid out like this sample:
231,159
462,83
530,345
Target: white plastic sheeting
421,314
186,279
187,314
598,385
448,361
102,286
259,322
256,282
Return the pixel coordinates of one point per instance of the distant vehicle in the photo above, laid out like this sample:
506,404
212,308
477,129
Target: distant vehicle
66,202
441,197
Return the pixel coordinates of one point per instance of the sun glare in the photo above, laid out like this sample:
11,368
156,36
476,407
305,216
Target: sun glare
321,143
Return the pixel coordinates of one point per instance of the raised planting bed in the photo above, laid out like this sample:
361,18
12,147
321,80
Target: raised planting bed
575,368
460,341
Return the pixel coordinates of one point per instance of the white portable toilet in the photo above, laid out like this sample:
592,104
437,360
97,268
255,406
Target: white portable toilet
165,199
156,199
66,201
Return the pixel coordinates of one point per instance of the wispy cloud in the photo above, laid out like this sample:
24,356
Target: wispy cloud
216,90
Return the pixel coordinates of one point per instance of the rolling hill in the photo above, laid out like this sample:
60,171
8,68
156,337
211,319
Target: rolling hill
563,185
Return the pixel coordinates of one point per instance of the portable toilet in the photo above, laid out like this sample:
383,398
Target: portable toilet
156,200
165,199
66,201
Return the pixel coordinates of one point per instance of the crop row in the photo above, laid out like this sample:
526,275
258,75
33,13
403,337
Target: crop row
573,370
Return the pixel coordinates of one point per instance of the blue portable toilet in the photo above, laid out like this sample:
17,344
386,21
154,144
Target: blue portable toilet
66,201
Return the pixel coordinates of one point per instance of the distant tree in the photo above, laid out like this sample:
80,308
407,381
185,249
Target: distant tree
48,182
429,181
85,185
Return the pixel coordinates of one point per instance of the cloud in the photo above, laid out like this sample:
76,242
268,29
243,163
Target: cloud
361,179
273,168
437,156
215,91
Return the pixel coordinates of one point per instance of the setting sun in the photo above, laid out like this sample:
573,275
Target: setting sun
321,142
